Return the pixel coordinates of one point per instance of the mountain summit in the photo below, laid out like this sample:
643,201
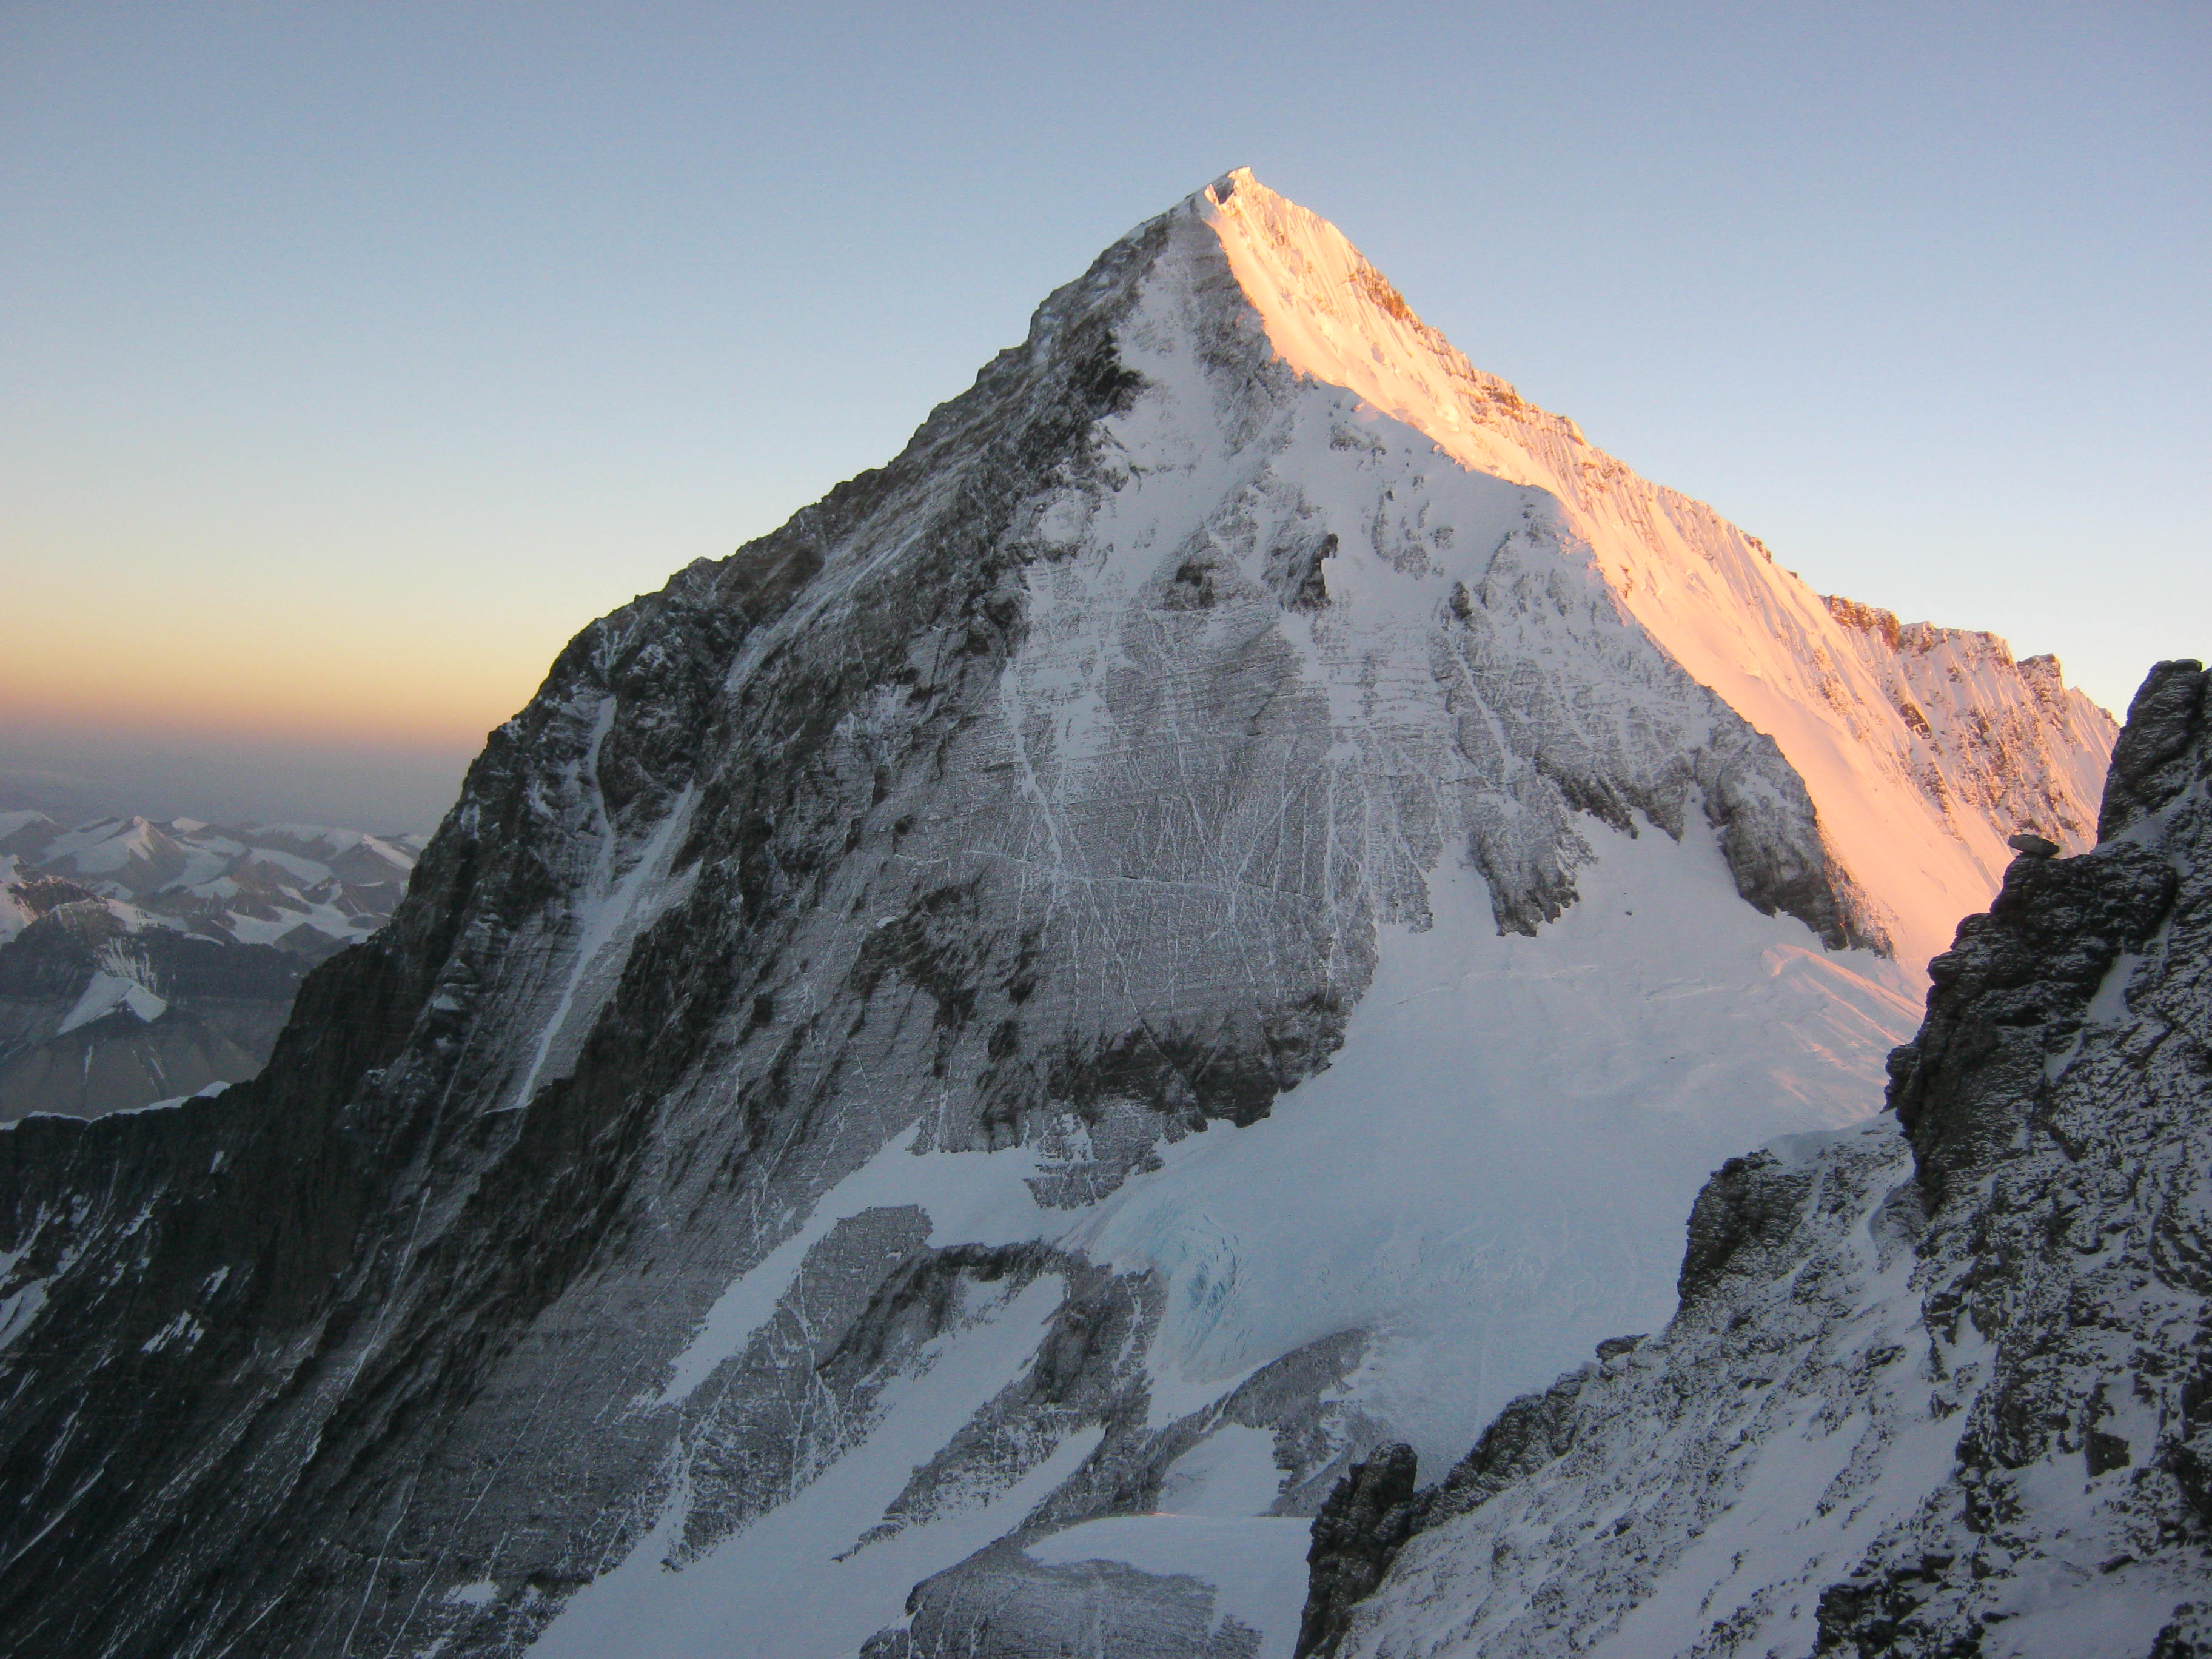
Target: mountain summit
1887,724
954,1070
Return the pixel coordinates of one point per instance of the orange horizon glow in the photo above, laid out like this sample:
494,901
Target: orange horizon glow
245,717
322,646
388,694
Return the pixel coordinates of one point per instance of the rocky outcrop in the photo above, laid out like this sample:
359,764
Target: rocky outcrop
1358,1533
2158,756
1938,1386
1004,1606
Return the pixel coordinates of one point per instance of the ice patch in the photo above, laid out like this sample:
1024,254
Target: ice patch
104,995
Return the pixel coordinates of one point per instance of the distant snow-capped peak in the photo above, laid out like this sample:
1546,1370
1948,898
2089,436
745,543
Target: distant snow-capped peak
307,887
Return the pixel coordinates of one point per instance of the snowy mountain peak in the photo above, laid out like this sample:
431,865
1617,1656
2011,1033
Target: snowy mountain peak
1333,315
1885,722
1214,912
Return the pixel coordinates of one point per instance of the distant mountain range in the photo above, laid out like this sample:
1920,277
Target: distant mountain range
142,960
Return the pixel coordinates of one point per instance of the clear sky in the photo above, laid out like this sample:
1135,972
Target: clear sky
354,355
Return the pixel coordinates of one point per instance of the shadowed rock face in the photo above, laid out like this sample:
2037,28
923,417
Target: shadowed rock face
1356,1537
1039,794
1986,1322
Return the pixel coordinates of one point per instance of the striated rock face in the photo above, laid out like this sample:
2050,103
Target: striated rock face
1941,1384
1186,929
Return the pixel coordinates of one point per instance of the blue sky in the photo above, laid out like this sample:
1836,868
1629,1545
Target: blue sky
358,353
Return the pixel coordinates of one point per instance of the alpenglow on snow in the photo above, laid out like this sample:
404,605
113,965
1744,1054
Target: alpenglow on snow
1214,914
